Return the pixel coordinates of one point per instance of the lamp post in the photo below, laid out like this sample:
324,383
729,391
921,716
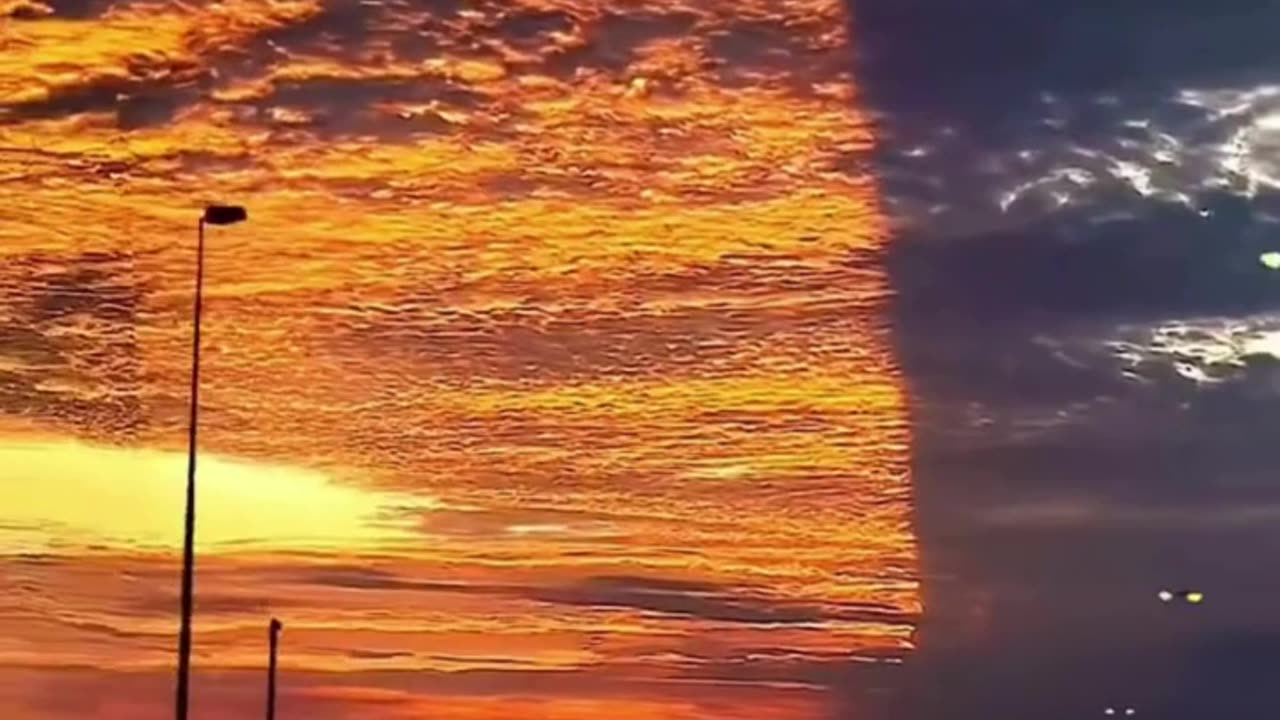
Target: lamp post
274,632
213,215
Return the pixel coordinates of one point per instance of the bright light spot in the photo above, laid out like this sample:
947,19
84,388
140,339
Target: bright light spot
721,472
1110,711
638,87
1166,596
1268,122
133,498
1270,259
1264,343
1130,711
1139,178
1195,598
548,529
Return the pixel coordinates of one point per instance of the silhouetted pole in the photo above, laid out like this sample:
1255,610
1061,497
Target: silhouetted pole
214,215
276,627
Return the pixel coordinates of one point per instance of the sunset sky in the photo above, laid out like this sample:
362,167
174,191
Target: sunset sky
643,359
551,376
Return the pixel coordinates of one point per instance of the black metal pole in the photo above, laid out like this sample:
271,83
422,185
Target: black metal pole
189,528
276,627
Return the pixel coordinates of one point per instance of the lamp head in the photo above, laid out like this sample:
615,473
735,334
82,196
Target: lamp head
225,214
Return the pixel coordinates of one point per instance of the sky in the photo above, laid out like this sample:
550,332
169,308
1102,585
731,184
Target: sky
1080,196
550,377
667,359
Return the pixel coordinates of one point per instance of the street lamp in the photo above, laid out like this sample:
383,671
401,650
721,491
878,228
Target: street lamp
274,632
213,215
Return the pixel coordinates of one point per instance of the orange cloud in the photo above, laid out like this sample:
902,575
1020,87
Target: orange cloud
553,347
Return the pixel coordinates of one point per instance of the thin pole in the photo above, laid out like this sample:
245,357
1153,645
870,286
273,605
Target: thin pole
189,528
271,672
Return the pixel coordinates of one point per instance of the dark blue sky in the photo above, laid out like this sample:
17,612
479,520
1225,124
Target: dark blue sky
1083,195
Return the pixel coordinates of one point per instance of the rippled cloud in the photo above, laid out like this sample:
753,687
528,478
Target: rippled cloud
549,377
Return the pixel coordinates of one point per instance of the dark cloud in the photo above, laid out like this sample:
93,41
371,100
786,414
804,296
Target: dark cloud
340,26
136,103
342,106
432,28
344,29
76,100
150,91
745,50
706,601
694,599
360,654
757,43
71,9
139,111
613,40
362,578
530,29
42,298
